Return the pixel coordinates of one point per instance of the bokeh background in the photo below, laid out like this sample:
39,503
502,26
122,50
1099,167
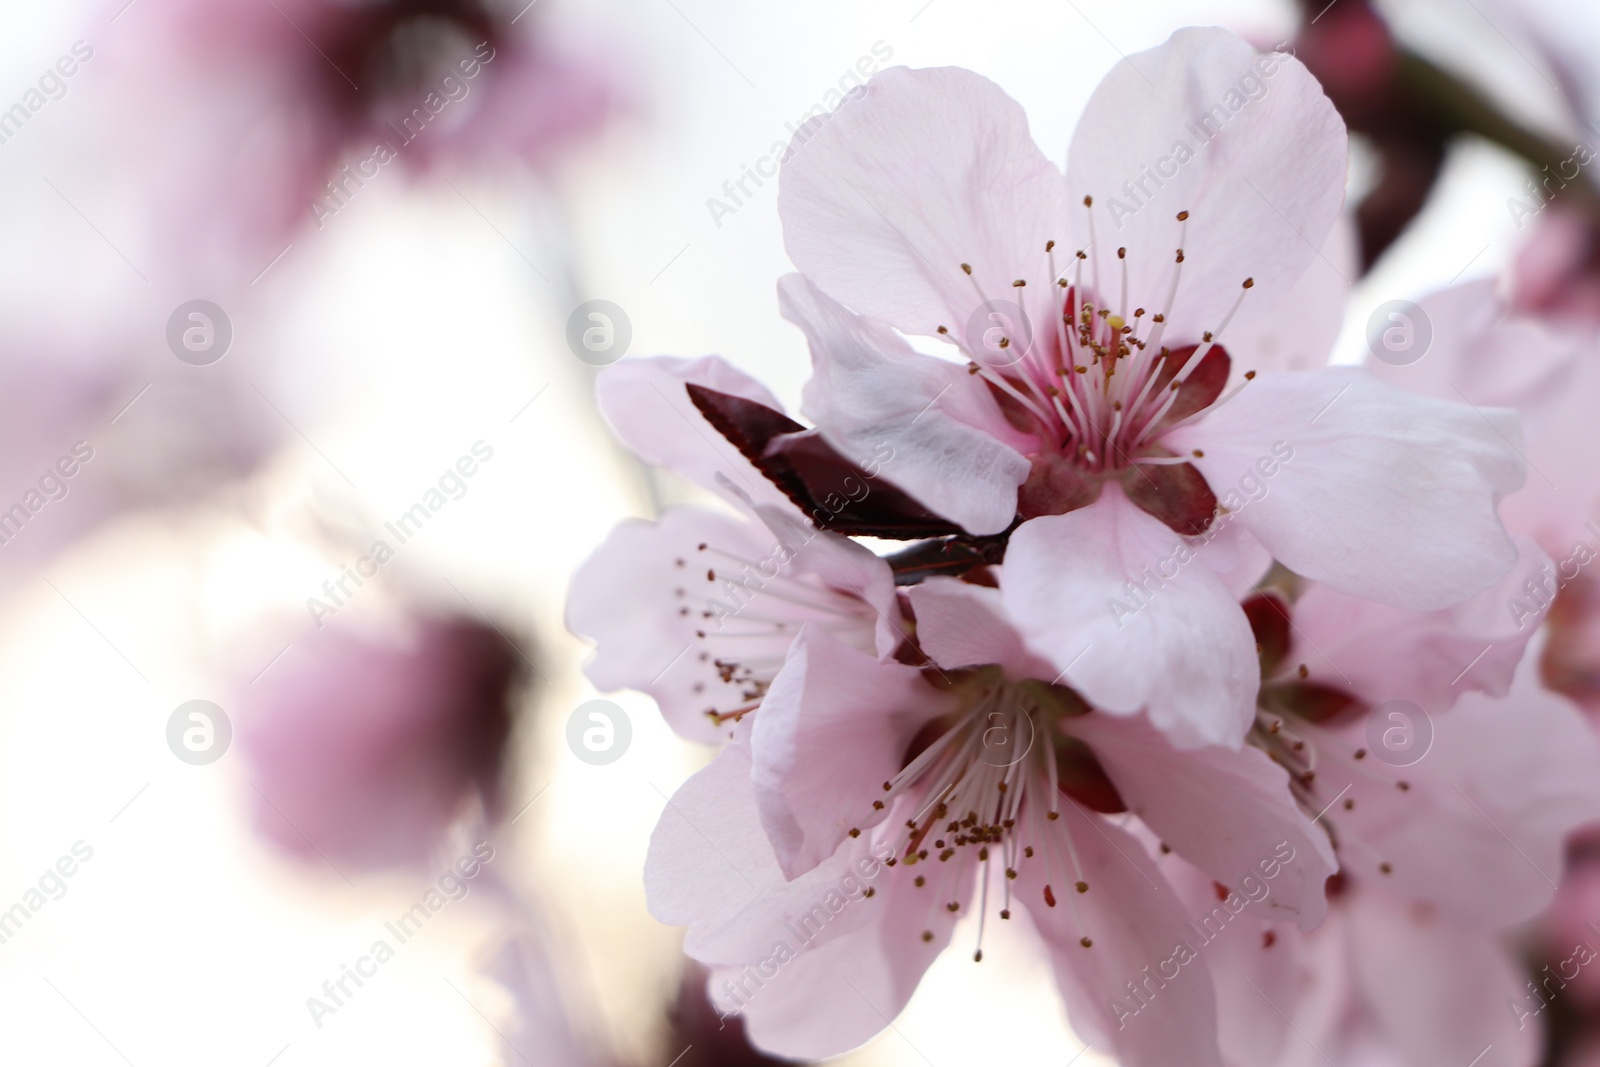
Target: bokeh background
369,350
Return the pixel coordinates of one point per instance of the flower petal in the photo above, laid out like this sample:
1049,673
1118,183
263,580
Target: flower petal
929,426
641,596
1135,925
1227,811
1380,653
1359,485
711,868
918,173
1133,621
833,728
1439,991
1478,830
645,403
963,625
1245,142
842,990
1479,356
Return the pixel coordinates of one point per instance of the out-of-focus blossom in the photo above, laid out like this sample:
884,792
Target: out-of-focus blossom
1349,49
364,748
1487,354
86,434
1095,406
1442,849
1557,271
262,117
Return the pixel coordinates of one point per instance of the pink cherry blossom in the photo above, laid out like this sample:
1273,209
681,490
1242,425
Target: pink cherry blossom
698,608
1488,353
1442,851
825,856
364,748
1097,404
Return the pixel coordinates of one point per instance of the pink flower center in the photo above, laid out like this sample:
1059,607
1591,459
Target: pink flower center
983,788
746,614
1099,390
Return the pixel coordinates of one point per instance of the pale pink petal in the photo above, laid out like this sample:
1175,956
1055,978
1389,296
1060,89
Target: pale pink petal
964,625
918,173
843,990
1300,331
842,565
711,868
644,599
1134,924
1381,653
1266,973
833,729
1441,993
1103,593
1479,830
1227,811
1262,176
926,424
1480,356
1357,484
648,408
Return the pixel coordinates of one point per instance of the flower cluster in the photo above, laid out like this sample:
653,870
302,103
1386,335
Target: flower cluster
1077,601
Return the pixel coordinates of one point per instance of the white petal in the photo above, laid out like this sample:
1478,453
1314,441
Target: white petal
1227,811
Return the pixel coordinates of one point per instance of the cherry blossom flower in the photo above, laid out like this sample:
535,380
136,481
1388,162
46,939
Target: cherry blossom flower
1485,352
1442,849
699,607
364,749
1098,405
824,858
